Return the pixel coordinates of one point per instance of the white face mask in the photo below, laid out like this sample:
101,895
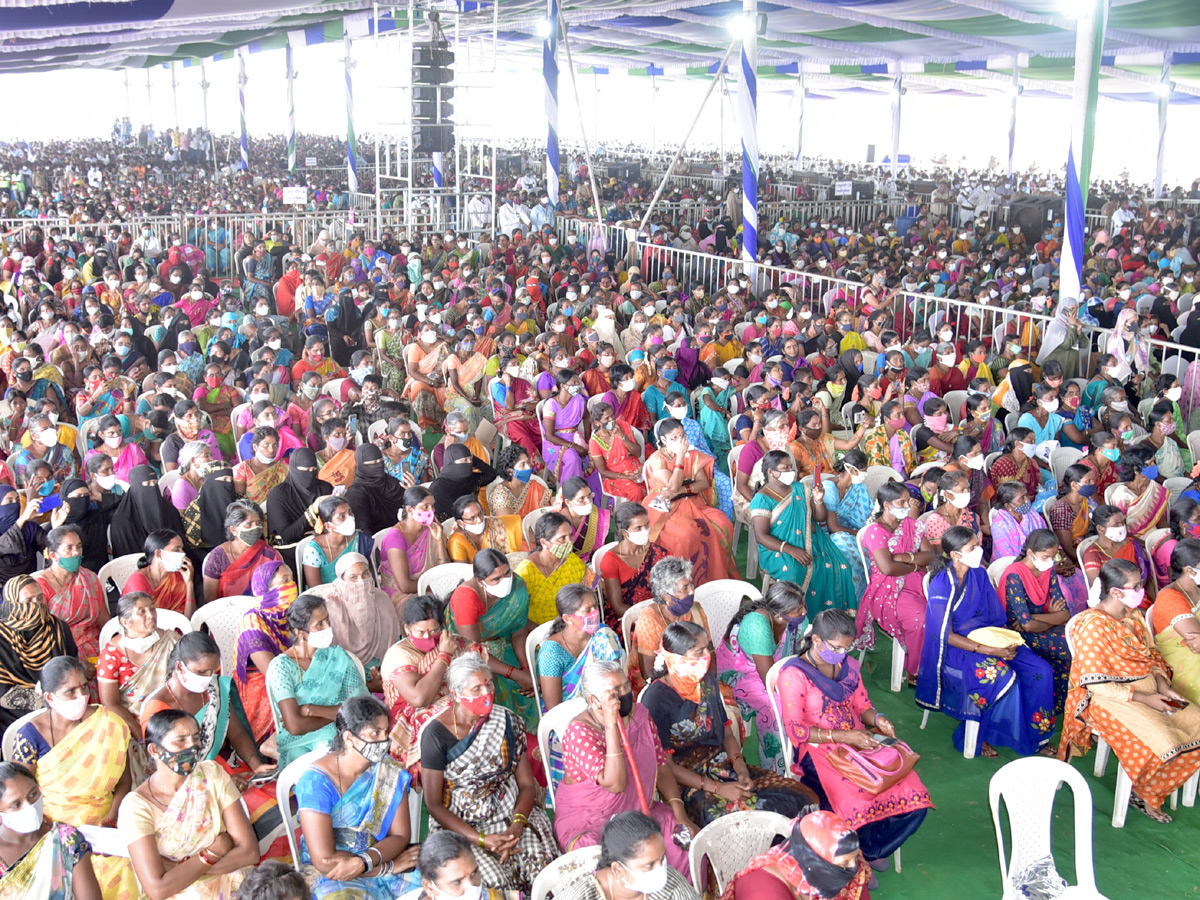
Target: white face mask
1174,394
142,644
320,640
974,462
25,820
1116,535
106,482
172,560
1043,565
786,477
647,883
501,589
347,527
857,477
49,437
628,385
1049,405
263,458
959,501
900,512
1027,448
678,412
476,528
197,684
639,538
947,359
972,558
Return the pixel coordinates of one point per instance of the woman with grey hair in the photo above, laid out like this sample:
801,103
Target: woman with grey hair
598,782
459,431
194,457
133,663
480,749
229,566
674,598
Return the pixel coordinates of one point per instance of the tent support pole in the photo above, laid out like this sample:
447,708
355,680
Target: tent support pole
1164,100
748,120
587,150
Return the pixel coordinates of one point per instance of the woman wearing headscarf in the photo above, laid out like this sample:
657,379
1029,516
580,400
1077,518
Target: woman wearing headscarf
1129,347
850,362
374,496
262,635
820,859
29,638
362,616
91,517
345,328
143,509
692,372
1062,340
20,538
289,505
462,475
204,518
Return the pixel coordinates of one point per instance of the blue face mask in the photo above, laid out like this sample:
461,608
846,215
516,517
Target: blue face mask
669,374
566,310
1150,472
523,475
761,320
46,489
1111,453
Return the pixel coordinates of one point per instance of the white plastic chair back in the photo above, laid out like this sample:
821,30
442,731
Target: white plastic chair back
876,477
442,580
118,570
996,570
954,401
1176,486
771,683
535,639
1061,459
1154,538
1028,788
167,481
564,870
234,415
599,555
284,784
10,733
333,389
529,523
1175,365
720,600
551,727
224,619
166,619
298,570
732,841
84,435
1193,444
1080,547
628,621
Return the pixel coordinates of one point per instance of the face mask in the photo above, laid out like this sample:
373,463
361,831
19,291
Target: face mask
71,710
1116,534
681,606
628,385
561,551
937,423
1027,448
321,640
1049,405
1044,565
346,528
588,623
786,477
478,706
197,684
1133,597
947,359
26,820
669,374
831,656
646,883
900,512
476,528
374,751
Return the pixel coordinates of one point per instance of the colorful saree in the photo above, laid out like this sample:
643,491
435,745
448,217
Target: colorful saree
808,700
235,580
568,462
1172,606
427,401
79,604
896,602
391,346
1112,659
631,410
512,419
529,498
1025,594
361,818
826,584
45,872
260,484
853,512
617,458
1142,514
1013,701
542,590
470,376
699,531
501,533
139,682
331,678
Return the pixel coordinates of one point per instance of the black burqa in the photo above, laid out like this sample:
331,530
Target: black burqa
287,502
142,510
374,495
848,363
92,520
215,496
461,476
347,324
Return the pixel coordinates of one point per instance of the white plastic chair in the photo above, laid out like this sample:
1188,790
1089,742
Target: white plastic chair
720,601
551,727
564,870
898,651
1154,538
166,619
629,620
333,389
730,842
167,481
1193,444
529,523
876,477
298,570
284,784
1176,486
954,401
1028,787
224,619
442,580
752,545
10,733
536,637
599,555
119,570
1062,458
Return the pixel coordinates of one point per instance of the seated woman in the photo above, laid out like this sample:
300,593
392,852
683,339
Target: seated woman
600,780
564,416
577,637
447,863
1173,622
791,544
1044,420
680,490
353,810
1017,462
1013,519
954,509
635,862
142,509
617,455
625,569
551,564
673,590
204,519
1102,460
188,835
589,522
1068,517
229,566
112,444
78,753
492,609
264,414
1142,499
825,708
763,631
1183,520
462,475
686,705
336,533
897,554
514,405
1162,425
193,687
848,506
403,456
133,663
364,621
165,573
96,501
1033,599
480,749
30,636
1008,689
411,547
1113,541
477,531
262,635
820,859
73,593
1120,688
266,469
49,859
193,458
516,494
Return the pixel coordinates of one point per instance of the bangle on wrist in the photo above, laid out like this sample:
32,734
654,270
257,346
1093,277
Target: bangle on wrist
481,841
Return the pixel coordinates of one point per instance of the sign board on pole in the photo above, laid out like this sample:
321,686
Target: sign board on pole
310,160
295,196
843,188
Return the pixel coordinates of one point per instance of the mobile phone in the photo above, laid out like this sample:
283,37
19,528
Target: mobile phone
54,501
1176,704
884,739
263,777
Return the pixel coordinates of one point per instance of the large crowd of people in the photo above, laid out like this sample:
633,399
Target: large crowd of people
942,449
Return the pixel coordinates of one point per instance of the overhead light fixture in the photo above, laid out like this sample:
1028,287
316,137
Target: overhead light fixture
1012,90
738,26
1077,9
1163,89
544,28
